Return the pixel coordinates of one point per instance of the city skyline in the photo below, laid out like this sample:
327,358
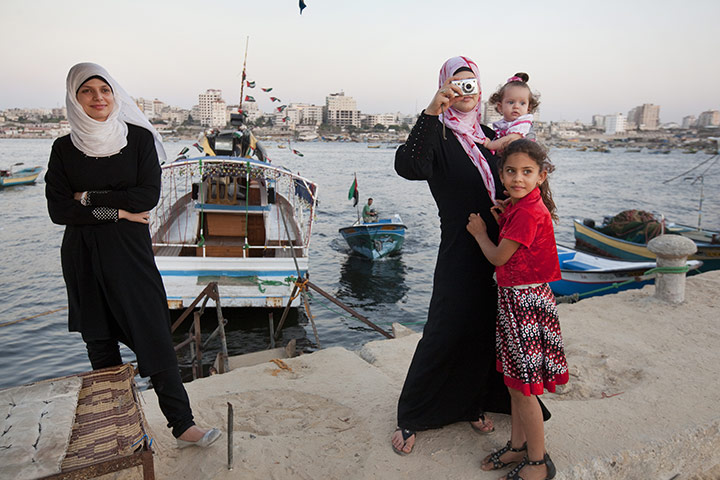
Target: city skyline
585,60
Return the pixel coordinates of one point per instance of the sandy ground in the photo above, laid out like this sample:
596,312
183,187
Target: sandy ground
642,403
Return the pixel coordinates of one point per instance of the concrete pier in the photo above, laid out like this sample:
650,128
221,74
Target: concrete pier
641,403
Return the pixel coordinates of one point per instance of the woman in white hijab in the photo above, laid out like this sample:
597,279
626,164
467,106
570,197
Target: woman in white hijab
101,183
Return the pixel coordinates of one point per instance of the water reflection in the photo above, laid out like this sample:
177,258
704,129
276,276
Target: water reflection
371,283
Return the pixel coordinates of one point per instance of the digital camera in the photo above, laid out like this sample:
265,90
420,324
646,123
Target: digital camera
468,86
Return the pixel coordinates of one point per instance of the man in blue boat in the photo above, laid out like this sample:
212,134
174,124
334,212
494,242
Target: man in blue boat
369,214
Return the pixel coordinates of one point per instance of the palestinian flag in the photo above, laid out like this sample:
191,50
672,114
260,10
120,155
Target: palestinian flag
297,153
267,89
281,108
249,84
198,147
275,99
248,98
353,193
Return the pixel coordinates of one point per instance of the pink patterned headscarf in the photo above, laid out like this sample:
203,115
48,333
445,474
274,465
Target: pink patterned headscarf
466,126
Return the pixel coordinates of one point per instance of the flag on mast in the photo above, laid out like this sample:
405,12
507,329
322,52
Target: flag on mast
353,193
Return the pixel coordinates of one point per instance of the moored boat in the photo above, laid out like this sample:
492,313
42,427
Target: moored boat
377,239
587,275
26,176
592,239
235,220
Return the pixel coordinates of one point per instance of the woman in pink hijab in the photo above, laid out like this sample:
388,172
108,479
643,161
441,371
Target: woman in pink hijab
452,376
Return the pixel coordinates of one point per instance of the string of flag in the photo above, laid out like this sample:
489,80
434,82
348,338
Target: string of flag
273,99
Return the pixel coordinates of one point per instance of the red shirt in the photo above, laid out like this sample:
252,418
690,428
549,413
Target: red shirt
528,222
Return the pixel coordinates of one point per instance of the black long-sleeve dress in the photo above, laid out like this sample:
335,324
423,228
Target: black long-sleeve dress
114,288
452,376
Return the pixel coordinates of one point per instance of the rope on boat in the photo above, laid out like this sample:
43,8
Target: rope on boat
34,316
576,296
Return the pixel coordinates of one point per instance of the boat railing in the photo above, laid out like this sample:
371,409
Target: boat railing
295,194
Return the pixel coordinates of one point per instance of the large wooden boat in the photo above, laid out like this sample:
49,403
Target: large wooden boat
26,176
235,220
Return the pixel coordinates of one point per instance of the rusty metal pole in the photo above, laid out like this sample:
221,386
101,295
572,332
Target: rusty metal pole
348,309
198,345
285,312
215,294
230,436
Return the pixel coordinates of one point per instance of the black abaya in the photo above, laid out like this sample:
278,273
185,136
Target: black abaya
114,288
452,376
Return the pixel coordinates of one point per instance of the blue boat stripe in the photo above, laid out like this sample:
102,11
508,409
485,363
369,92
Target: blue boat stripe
230,273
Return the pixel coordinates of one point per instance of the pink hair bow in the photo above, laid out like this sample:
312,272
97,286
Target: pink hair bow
514,79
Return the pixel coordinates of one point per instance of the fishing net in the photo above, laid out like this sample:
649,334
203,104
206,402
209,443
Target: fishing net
637,226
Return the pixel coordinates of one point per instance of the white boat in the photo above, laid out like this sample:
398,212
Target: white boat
590,275
232,220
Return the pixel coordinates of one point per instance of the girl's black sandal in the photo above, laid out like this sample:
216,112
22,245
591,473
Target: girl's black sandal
495,456
514,474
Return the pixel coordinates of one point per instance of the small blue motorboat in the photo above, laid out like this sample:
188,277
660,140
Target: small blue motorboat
377,239
26,176
587,274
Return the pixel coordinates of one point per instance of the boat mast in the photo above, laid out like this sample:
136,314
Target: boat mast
242,81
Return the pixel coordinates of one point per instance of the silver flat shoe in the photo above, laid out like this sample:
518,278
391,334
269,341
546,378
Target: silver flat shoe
206,440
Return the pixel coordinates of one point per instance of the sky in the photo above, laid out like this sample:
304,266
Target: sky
583,57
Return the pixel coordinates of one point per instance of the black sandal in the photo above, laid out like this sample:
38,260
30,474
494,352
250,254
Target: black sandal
406,434
514,474
495,456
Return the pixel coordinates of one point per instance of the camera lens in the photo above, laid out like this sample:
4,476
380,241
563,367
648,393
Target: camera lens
467,87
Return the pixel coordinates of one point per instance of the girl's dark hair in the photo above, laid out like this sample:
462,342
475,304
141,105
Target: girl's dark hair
520,81
539,154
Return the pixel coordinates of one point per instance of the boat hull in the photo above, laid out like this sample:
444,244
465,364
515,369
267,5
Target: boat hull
243,282
22,177
589,275
375,240
591,239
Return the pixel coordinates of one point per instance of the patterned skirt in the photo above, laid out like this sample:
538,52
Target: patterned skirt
529,344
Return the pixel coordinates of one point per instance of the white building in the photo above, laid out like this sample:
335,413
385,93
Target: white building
598,121
384,119
250,109
341,111
489,114
709,118
614,124
212,109
645,117
175,115
689,121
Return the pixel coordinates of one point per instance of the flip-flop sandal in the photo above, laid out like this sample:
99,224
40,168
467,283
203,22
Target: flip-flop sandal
481,430
406,434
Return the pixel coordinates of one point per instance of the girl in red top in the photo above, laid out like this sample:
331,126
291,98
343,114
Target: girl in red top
529,344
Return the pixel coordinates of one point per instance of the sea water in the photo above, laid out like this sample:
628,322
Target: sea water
396,289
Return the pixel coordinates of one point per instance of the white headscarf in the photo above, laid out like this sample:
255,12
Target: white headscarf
103,139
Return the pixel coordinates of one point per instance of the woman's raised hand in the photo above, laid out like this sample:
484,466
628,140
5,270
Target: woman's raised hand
444,97
142,217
